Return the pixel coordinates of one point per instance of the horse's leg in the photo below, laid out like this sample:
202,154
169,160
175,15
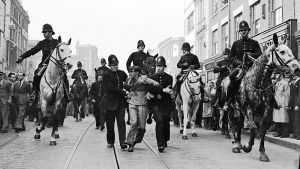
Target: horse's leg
232,125
76,111
185,110
180,116
43,120
264,125
253,131
54,133
194,110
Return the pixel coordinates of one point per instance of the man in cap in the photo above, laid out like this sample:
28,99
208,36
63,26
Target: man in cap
5,98
103,66
137,58
187,61
161,105
96,93
242,51
114,102
46,46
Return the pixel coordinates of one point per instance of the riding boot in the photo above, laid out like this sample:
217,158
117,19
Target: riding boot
35,88
230,91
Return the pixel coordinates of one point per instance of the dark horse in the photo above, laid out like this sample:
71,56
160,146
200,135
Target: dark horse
80,93
255,96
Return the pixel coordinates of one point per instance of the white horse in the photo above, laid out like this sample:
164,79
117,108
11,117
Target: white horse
187,102
52,89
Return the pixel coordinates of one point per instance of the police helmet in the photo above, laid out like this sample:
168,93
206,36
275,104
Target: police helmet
161,61
48,28
113,60
186,46
243,26
79,64
103,60
140,43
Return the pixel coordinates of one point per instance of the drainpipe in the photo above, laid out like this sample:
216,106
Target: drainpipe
229,23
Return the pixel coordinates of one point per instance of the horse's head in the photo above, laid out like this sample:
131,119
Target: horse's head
149,64
63,50
280,54
194,84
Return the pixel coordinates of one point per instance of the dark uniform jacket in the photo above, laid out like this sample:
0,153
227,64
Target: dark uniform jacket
97,91
21,92
47,46
114,96
165,80
241,46
82,72
223,71
137,58
191,59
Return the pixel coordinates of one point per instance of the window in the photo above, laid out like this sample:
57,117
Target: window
214,42
237,21
276,12
214,7
190,22
225,36
255,18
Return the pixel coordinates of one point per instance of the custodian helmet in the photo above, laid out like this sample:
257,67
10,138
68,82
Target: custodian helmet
243,26
161,61
113,60
186,46
47,28
140,43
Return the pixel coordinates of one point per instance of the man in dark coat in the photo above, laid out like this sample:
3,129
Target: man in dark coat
21,91
186,62
79,72
223,70
161,105
102,67
46,46
242,52
114,102
96,93
137,58
294,106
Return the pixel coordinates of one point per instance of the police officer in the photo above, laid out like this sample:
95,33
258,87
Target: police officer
102,67
96,93
47,46
241,52
187,61
223,69
114,102
161,105
138,57
77,73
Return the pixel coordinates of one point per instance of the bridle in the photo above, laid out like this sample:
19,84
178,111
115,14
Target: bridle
189,82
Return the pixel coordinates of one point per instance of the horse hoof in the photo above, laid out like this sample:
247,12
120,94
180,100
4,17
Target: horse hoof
181,131
184,137
246,149
263,157
37,137
76,120
236,150
52,143
56,135
194,135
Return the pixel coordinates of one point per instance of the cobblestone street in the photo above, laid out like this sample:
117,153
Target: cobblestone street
80,146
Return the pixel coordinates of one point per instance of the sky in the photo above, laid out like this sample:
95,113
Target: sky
114,26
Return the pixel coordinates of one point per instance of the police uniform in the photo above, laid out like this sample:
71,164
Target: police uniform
137,58
161,106
102,68
96,93
223,70
114,102
46,46
237,59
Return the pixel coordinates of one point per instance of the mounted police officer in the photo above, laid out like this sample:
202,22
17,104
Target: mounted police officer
162,105
243,52
223,69
137,58
187,61
79,72
114,101
103,66
47,46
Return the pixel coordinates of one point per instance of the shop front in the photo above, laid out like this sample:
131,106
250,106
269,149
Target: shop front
285,31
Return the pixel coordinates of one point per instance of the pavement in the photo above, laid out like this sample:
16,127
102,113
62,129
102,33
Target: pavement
80,146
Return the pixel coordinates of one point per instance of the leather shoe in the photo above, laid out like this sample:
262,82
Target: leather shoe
123,146
110,145
130,149
161,149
